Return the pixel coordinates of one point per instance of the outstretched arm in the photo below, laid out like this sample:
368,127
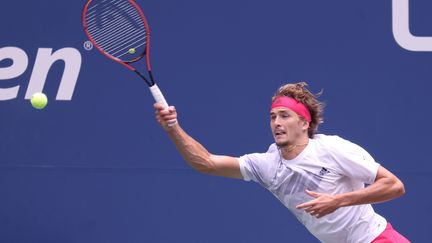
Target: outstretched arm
386,187
192,151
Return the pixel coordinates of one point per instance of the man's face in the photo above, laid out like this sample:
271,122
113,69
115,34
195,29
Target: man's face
287,127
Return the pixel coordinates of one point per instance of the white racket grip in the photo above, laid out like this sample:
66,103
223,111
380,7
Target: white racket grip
158,96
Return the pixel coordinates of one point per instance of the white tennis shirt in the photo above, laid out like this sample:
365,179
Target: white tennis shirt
328,164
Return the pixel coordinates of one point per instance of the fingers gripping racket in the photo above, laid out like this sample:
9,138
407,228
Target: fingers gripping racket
119,29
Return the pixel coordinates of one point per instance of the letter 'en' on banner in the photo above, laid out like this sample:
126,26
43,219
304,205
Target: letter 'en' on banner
45,59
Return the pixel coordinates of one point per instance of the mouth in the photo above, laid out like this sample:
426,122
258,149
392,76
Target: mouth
279,133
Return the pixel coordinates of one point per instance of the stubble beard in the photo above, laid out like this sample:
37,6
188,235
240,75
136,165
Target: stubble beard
283,144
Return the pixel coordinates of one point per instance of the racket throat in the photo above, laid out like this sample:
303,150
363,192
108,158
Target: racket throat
150,82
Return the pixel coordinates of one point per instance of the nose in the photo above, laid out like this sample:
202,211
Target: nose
276,121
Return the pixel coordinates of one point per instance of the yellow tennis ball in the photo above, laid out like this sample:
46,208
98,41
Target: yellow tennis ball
39,100
132,50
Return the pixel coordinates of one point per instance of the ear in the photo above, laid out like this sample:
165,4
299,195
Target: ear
305,124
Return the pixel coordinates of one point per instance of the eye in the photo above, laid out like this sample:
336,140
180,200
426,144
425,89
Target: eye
285,115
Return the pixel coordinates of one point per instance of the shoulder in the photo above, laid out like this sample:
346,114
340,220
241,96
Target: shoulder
272,153
328,139
333,142
341,149
260,166
337,147
329,142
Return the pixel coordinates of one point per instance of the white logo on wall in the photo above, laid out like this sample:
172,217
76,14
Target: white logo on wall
45,58
401,30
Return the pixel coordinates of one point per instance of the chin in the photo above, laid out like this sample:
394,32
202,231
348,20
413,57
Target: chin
282,143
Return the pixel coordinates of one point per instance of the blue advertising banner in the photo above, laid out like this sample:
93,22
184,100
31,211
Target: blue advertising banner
95,166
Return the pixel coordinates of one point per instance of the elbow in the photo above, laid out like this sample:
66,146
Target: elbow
399,188
205,167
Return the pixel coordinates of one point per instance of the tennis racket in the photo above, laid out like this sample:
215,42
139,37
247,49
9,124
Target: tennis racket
119,29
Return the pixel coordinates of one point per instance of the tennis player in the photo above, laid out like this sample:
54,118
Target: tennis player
327,182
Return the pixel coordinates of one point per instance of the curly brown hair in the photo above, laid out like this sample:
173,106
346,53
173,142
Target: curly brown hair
299,92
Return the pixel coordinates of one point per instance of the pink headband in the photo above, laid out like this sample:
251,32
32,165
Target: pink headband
294,105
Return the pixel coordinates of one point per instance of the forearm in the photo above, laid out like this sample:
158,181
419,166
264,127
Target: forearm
383,189
192,151
386,187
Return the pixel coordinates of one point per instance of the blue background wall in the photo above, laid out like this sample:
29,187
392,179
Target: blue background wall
98,168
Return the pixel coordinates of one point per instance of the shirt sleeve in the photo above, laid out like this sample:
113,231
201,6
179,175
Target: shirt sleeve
251,168
257,167
354,161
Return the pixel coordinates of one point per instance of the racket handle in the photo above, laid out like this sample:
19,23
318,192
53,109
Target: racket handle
158,96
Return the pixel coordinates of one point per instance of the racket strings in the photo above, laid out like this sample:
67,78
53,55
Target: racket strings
111,29
116,27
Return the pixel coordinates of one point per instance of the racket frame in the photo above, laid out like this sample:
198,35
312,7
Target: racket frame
150,81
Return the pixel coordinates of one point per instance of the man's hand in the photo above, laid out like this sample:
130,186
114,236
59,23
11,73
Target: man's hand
322,205
166,117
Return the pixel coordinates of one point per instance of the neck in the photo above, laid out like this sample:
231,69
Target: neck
293,150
